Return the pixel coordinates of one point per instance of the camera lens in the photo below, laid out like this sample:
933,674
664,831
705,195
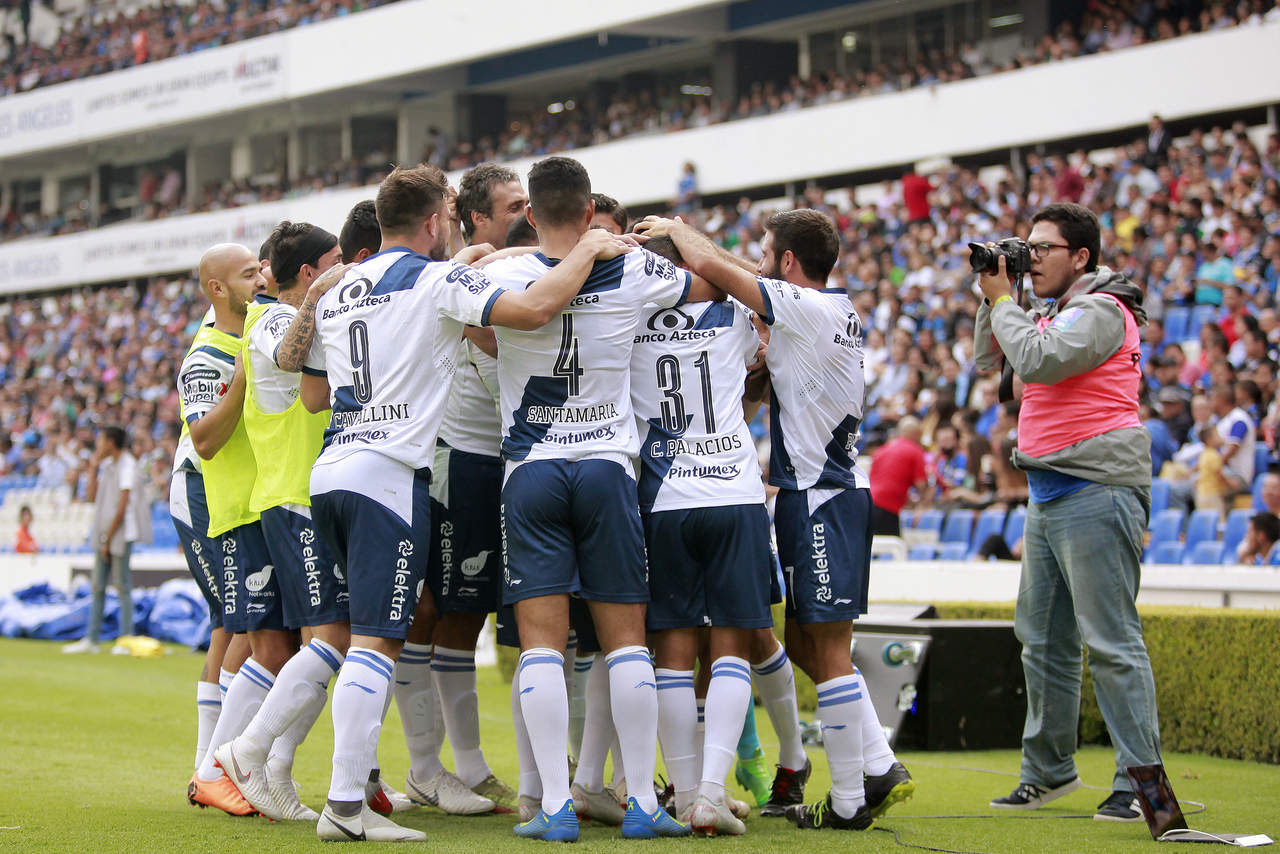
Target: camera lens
981,259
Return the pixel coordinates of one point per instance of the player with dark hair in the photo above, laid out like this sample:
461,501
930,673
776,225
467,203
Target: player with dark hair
360,236
610,214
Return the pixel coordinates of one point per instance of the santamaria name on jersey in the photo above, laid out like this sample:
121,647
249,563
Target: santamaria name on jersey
371,415
571,414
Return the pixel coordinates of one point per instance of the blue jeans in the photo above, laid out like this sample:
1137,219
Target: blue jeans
1080,570
102,572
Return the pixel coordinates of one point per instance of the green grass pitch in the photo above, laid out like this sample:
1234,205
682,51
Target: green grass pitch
95,753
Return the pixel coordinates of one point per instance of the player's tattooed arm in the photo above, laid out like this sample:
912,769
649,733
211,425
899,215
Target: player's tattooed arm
291,355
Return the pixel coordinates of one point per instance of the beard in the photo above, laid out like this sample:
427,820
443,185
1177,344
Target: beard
774,271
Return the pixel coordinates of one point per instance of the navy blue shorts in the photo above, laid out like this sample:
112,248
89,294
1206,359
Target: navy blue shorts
825,553
190,514
250,588
584,627
313,588
709,566
505,628
465,565
573,527
383,556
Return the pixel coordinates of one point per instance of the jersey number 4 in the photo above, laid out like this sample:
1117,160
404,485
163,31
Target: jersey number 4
567,364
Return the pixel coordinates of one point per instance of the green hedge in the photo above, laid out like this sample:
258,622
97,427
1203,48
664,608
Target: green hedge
1217,678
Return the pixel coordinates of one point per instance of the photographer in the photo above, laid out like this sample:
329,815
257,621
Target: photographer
1088,464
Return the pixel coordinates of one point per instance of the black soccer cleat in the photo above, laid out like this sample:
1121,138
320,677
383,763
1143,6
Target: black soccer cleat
820,815
892,787
788,790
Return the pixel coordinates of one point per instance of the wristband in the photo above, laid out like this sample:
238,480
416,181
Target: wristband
1004,298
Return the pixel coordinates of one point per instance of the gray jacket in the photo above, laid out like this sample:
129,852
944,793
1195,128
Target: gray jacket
1119,457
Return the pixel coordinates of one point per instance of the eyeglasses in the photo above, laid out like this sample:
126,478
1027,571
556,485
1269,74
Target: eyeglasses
1039,250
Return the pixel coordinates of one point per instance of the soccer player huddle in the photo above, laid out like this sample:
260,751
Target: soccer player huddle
388,436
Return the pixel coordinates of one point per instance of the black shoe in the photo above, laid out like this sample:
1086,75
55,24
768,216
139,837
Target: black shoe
788,790
1029,796
666,795
821,815
884,790
1119,806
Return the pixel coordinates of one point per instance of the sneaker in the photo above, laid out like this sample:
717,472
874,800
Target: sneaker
892,787
446,792
368,826
503,796
1029,796
638,824
527,806
1119,806
561,827
284,791
821,815
399,800
80,647
753,775
121,649
709,818
601,806
787,790
220,793
249,778
740,809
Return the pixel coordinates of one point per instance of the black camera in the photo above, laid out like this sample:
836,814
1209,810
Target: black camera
1016,252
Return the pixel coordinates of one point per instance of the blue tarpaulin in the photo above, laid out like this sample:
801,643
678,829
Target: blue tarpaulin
175,611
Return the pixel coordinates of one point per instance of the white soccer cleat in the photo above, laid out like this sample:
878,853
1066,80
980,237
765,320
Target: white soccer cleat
527,806
446,792
710,818
249,778
601,806
368,826
79,647
399,800
284,791
740,809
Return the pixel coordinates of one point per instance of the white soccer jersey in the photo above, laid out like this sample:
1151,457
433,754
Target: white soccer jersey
387,339
276,390
815,362
565,389
471,422
687,374
203,379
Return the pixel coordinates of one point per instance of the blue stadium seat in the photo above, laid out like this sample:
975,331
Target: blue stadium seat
1237,525
1261,458
922,551
1258,506
958,526
1203,525
989,522
1159,495
929,520
1200,315
1175,323
1207,551
907,518
953,551
1013,527
1166,526
1167,552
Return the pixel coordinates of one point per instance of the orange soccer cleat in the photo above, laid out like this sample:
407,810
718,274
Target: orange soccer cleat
220,793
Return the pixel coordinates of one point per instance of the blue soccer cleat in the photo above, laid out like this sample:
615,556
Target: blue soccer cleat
561,827
638,824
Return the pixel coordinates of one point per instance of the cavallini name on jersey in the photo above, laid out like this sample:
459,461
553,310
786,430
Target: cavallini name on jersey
371,415
676,335
571,414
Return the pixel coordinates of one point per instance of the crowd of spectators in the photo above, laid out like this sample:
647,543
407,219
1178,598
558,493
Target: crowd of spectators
1100,26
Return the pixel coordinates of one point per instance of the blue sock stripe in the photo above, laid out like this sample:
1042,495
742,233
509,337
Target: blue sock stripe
453,668
682,680
414,659
217,703
731,674
526,661
327,656
372,666
371,661
663,686
630,656
455,659
851,685
255,677
582,666
840,699
771,667
730,665
573,638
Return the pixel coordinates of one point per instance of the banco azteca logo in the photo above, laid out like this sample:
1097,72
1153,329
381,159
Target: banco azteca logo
355,291
669,320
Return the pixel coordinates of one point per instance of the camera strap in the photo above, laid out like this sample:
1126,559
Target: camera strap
1006,369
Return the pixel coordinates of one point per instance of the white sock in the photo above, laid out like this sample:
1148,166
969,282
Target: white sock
615,750
877,756
284,747
545,703
700,734
634,696
727,697
454,672
777,683
224,681
359,697
842,736
597,729
244,696
678,732
570,659
420,713
530,783
208,705
578,702
300,687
